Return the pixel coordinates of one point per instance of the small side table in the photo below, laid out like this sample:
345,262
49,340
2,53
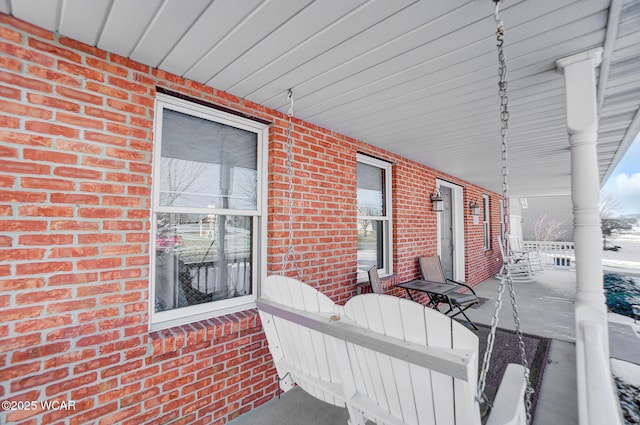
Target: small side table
437,291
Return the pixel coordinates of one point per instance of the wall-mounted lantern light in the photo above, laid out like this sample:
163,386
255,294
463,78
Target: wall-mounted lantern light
436,200
474,208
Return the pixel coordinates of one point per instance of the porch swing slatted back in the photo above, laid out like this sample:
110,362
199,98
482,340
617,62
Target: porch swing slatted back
301,355
396,391
388,359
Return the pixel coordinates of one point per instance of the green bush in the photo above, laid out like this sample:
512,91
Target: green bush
622,292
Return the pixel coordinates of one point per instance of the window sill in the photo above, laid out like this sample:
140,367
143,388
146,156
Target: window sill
167,341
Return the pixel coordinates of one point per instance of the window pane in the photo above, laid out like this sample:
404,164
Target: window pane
487,236
206,164
486,222
370,244
201,258
370,190
485,208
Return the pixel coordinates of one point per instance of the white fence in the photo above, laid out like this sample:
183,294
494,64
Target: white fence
552,253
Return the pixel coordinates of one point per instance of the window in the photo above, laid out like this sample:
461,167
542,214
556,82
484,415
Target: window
207,213
486,221
502,221
374,215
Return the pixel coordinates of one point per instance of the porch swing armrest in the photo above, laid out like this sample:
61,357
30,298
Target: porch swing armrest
508,406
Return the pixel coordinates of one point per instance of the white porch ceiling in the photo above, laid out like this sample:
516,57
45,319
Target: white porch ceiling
418,78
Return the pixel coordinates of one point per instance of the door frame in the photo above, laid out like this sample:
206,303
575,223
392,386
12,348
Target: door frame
457,212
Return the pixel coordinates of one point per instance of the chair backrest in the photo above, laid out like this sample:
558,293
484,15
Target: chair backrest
431,269
515,243
374,280
407,392
301,355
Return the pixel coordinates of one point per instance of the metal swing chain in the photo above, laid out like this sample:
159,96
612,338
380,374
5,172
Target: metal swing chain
290,254
505,272
486,362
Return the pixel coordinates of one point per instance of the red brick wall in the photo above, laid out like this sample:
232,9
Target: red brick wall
481,264
76,145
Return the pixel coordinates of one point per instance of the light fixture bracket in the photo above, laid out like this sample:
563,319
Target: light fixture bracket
436,200
474,208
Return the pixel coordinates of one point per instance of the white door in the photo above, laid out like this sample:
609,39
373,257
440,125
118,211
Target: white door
446,233
451,230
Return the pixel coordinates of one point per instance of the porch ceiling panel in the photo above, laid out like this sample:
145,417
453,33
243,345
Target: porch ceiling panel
418,78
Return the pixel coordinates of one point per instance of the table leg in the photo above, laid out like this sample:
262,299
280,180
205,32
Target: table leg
434,300
409,293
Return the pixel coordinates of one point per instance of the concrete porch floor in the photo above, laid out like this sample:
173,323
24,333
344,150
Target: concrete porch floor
545,308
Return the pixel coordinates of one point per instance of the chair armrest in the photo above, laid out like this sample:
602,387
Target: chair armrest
463,284
508,406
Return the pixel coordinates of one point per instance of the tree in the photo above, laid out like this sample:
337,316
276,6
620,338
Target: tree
611,226
176,176
367,211
609,219
609,205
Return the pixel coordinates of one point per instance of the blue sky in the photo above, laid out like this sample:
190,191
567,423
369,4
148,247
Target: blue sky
624,182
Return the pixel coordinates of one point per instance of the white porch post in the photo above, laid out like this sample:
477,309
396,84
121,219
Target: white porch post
582,123
597,402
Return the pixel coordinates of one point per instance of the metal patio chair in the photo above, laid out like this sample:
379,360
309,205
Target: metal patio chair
374,280
431,270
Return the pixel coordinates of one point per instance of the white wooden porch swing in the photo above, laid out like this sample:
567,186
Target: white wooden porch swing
387,359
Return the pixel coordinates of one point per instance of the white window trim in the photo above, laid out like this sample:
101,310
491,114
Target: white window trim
181,316
387,219
486,222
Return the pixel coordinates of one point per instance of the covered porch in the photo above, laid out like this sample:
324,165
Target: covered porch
407,89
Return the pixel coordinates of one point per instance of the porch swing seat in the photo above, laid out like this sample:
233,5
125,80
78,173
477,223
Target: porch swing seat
386,359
